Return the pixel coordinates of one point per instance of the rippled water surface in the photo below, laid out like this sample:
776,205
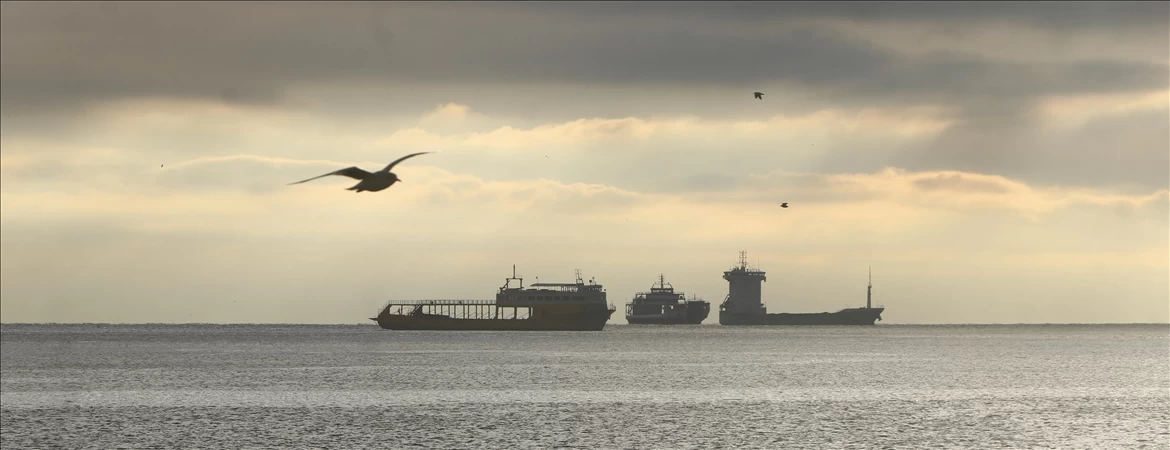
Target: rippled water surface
637,387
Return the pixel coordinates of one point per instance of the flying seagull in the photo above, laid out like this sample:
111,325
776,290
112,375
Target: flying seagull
784,205
372,182
760,95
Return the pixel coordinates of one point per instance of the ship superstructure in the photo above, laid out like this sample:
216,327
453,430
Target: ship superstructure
578,306
744,306
662,305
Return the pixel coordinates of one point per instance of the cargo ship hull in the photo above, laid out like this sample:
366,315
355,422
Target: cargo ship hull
660,320
744,305
853,316
696,312
663,306
575,306
592,321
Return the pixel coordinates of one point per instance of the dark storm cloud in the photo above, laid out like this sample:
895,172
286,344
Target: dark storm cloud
1054,15
67,55
1126,150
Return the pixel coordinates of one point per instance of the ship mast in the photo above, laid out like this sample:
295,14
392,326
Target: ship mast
869,289
508,281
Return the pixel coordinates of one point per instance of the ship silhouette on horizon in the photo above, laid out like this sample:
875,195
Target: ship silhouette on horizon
743,304
663,306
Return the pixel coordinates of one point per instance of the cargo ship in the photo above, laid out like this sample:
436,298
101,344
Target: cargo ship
663,306
744,307
575,306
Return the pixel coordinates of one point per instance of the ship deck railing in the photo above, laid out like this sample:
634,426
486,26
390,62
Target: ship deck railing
558,287
438,302
459,309
664,302
451,305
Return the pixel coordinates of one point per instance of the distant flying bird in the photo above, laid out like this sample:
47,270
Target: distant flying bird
784,205
372,182
760,95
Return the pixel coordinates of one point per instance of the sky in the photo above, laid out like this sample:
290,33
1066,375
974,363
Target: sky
992,163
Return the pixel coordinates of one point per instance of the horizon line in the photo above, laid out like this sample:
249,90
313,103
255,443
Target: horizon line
608,324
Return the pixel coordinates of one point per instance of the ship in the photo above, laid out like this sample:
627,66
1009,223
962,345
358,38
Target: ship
578,306
663,306
744,307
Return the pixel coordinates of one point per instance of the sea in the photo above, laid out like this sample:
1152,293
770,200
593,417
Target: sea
626,387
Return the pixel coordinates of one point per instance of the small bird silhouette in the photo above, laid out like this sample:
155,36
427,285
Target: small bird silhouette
760,95
372,182
784,205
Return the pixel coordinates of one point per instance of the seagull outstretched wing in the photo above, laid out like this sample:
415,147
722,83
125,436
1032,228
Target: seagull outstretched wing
391,165
352,172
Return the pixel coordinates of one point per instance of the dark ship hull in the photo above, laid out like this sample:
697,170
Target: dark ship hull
743,305
585,321
663,306
851,316
575,306
696,313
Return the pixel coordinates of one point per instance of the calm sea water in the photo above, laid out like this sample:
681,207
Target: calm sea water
629,387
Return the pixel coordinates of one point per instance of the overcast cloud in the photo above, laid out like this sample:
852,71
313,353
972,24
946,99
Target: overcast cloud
999,162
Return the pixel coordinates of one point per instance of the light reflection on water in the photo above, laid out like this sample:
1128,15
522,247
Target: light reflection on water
209,386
